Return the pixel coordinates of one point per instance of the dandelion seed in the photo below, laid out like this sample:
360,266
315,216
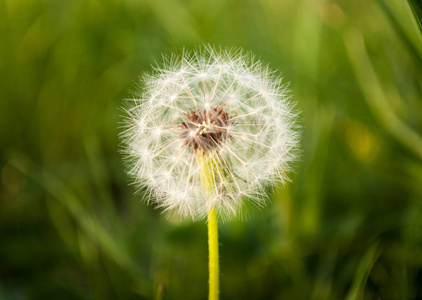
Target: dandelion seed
225,108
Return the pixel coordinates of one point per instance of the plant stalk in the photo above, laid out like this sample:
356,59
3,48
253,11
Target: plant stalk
213,264
209,168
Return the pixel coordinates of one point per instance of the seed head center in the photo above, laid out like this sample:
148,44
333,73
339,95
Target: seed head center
204,131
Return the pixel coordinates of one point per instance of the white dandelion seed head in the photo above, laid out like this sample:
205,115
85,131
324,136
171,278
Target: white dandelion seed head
220,102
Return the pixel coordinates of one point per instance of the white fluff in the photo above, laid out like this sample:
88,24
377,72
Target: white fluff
263,141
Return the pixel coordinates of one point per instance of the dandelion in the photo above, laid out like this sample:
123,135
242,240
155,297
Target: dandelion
209,132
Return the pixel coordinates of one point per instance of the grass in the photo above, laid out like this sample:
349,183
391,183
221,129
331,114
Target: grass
347,227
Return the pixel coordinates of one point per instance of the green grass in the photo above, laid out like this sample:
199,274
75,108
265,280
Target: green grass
349,226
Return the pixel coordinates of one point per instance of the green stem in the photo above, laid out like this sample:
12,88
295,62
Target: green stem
208,182
213,264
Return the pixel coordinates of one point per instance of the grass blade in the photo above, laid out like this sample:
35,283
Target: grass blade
362,273
416,6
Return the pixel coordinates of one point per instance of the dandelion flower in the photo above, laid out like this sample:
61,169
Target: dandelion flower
217,110
209,131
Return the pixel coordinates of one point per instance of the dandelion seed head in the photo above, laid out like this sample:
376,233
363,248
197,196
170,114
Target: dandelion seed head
225,105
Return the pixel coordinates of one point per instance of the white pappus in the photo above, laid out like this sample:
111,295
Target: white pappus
220,104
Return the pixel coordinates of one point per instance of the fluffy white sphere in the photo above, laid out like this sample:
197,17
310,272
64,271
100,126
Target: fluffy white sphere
223,104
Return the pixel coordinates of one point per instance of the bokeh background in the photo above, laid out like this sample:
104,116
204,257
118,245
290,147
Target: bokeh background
348,226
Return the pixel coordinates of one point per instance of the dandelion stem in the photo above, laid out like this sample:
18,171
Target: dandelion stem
213,255
209,168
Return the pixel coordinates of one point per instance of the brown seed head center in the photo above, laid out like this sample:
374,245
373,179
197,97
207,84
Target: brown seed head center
205,131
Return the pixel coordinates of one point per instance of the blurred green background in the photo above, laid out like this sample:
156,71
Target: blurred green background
349,226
